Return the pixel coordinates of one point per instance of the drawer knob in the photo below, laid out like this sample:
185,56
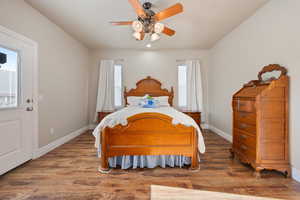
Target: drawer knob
242,104
244,147
243,136
243,126
243,114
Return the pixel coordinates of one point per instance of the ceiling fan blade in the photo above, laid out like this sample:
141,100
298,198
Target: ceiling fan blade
121,23
169,12
168,31
137,7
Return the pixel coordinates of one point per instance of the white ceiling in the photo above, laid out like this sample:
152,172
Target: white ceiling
202,24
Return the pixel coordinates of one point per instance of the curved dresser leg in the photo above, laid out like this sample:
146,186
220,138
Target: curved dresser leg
287,173
257,172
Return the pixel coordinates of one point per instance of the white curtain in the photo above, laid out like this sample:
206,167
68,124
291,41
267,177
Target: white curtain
105,98
194,86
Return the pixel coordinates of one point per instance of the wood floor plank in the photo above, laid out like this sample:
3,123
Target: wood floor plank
70,173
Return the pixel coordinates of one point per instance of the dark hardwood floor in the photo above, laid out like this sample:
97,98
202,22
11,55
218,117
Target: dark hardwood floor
70,172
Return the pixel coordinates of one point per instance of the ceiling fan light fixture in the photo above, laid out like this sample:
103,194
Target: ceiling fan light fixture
159,27
148,22
155,37
137,26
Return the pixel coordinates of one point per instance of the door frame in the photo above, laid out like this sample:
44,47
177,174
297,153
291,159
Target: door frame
35,89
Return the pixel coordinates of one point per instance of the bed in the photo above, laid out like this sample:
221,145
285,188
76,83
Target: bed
137,133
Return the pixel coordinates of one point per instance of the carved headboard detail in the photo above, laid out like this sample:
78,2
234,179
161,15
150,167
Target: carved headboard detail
149,86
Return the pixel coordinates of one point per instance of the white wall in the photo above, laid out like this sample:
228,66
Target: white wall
272,35
63,70
138,64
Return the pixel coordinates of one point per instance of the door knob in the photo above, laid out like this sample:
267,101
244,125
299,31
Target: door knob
29,109
29,101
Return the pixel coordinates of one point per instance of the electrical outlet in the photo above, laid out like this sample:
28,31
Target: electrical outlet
52,131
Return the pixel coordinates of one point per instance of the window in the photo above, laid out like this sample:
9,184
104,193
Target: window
118,85
182,85
8,79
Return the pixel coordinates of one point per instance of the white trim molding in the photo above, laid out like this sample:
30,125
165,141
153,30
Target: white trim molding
205,126
296,174
49,147
221,133
35,46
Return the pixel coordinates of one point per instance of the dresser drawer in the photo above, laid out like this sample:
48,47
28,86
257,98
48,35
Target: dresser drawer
244,126
247,152
244,105
245,144
246,139
245,117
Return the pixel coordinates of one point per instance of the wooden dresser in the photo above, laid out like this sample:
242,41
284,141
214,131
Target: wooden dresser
260,121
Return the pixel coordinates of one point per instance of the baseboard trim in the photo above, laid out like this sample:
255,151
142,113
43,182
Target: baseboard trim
49,147
92,126
205,126
224,135
296,174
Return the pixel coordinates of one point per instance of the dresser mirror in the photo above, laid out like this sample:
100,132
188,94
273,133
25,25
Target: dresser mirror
268,76
271,72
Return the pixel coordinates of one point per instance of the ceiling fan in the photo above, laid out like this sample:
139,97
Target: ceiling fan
149,22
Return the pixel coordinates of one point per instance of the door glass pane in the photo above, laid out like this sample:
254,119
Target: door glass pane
8,78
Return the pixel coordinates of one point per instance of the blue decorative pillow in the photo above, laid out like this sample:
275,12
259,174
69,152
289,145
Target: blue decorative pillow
150,103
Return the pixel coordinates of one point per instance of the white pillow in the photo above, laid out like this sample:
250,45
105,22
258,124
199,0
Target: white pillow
162,100
134,101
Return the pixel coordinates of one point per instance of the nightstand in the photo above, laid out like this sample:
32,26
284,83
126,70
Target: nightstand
195,115
103,114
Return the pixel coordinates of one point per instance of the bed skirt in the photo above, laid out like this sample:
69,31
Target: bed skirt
163,161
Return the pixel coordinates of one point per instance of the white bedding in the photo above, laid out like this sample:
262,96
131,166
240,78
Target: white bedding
120,117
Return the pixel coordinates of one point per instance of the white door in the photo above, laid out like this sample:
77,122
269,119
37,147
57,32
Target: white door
16,102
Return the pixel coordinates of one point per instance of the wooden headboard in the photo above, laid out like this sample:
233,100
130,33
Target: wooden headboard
149,86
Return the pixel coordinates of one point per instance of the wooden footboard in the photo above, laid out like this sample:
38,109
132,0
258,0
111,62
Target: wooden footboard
149,134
